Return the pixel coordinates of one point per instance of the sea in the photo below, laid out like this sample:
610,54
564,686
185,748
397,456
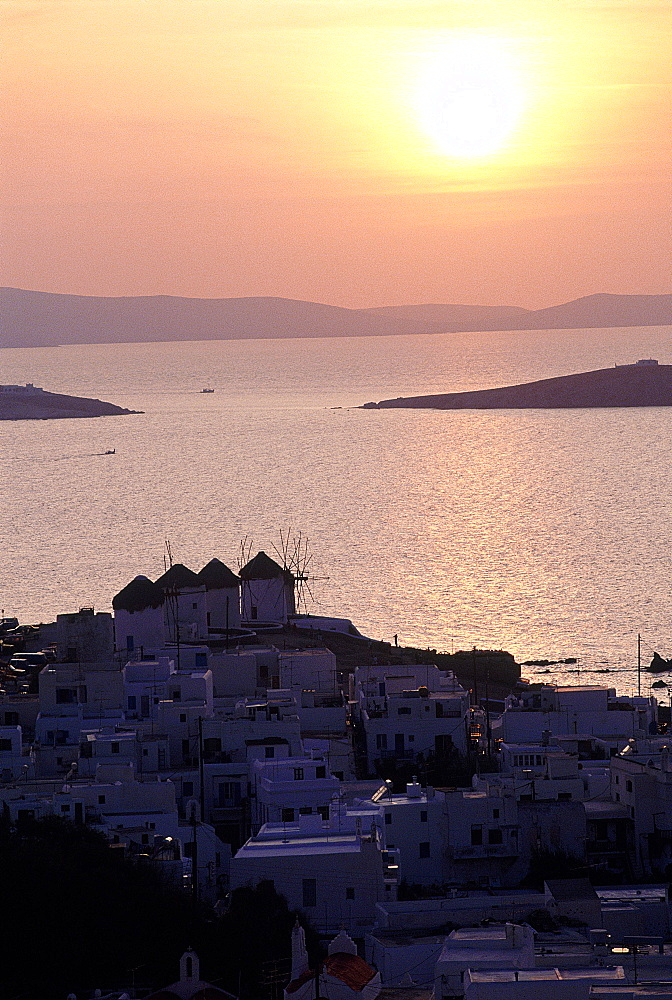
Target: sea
546,533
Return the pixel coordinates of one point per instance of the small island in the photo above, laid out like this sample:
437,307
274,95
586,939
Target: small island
30,402
644,383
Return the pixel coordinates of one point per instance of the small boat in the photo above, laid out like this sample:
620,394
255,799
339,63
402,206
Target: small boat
207,390
110,451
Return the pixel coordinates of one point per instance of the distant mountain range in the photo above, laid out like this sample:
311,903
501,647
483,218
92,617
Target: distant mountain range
45,319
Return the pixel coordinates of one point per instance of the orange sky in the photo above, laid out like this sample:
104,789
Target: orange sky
309,149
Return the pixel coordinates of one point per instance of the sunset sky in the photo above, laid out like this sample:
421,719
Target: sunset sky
355,152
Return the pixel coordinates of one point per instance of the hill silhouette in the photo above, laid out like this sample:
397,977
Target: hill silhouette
627,385
44,319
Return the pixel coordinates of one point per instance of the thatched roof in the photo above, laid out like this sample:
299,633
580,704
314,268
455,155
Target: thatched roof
217,576
262,567
137,595
178,577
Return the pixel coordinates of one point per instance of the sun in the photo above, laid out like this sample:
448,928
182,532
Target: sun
469,98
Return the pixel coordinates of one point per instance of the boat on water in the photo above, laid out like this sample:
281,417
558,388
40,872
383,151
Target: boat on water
207,390
110,451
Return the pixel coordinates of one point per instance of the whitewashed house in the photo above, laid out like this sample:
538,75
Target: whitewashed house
332,871
284,789
587,711
641,780
14,764
410,711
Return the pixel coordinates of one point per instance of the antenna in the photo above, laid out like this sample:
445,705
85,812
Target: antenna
172,596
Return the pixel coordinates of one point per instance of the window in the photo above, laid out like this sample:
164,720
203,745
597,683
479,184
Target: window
495,837
66,696
187,788
114,748
65,809
381,741
176,696
298,774
201,659
305,811
269,752
287,815
194,607
183,717
320,772
144,838
350,893
628,786
564,796
132,702
404,710
212,744
101,800
617,780
495,813
11,718
476,835
388,819
424,849
5,745
423,815
310,892
323,812
254,612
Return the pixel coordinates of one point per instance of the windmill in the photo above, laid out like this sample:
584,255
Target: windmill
296,558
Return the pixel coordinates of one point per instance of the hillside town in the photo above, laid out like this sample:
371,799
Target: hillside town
460,834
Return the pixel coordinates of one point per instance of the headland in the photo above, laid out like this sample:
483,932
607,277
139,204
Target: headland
29,402
645,383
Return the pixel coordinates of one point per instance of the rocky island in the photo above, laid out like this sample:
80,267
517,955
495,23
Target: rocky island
645,383
29,402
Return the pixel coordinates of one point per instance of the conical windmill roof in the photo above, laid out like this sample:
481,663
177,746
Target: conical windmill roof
178,577
137,595
217,576
262,567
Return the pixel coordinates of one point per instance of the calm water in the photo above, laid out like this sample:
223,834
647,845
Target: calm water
543,532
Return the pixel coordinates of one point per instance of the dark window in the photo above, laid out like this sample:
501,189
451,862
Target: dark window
130,643
201,659
187,788
309,892
628,786
324,812
381,741
423,815
476,836
5,744
404,710
269,751
424,849
287,815
176,695
194,607
65,809
66,696
11,718
350,893
495,813
305,811
212,744
253,609
101,800
388,818
114,748
320,772
183,717
298,774
564,796
495,837
131,702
